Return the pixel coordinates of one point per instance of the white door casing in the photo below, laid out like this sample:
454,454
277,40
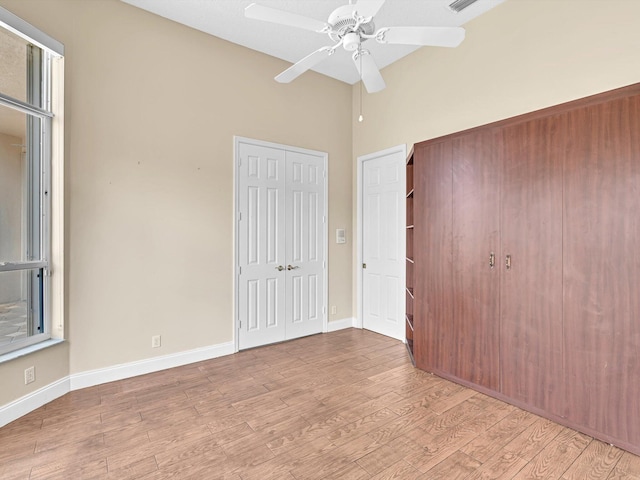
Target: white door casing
280,242
382,247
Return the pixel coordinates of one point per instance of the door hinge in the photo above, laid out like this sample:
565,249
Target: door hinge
239,216
239,270
240,325
324,310
324,264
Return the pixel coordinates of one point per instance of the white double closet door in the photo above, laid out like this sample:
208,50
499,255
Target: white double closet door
281,243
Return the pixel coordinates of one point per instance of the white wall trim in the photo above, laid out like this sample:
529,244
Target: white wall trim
358,321
23,405
335,325
16,409
142,367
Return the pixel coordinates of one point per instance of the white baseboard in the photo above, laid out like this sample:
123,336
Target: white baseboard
16,409
142,367
341,324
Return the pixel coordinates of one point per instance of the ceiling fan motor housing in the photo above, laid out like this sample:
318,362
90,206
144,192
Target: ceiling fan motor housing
345,26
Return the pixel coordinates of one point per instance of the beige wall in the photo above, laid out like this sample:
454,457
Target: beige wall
521,56
52,364
151,110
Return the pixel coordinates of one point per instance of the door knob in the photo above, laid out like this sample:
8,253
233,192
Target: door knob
279,268
291,267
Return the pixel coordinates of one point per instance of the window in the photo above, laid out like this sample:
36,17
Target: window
27,133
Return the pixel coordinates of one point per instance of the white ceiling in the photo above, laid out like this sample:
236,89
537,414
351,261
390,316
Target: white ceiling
225,19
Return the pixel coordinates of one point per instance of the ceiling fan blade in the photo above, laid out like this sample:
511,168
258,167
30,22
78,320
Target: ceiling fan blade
431,36
370,74
368,8
297,69
268,14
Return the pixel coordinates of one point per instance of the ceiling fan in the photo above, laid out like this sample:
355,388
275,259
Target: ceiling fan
350,26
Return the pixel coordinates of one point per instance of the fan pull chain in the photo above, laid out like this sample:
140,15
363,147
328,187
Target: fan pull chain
360,118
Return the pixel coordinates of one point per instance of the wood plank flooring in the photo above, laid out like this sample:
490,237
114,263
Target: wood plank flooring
344,405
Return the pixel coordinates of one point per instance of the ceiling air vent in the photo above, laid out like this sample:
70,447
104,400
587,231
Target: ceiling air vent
460,5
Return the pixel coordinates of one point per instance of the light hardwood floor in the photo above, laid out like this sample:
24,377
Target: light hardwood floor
345,405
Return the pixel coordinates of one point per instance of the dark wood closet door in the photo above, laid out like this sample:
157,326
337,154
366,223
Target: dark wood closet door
476,285
602,270
432,253
531,292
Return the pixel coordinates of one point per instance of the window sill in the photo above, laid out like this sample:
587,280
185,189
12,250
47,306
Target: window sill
7,357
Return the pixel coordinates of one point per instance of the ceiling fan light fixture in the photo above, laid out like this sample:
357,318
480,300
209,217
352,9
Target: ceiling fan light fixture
351,42
459,5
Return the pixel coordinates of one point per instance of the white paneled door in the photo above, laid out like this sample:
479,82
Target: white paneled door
280,243
383,207
304,244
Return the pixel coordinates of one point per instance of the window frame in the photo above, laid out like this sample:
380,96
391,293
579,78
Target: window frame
50,160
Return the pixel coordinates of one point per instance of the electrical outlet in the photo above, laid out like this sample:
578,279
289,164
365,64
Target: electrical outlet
334,310
29,375
156,341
